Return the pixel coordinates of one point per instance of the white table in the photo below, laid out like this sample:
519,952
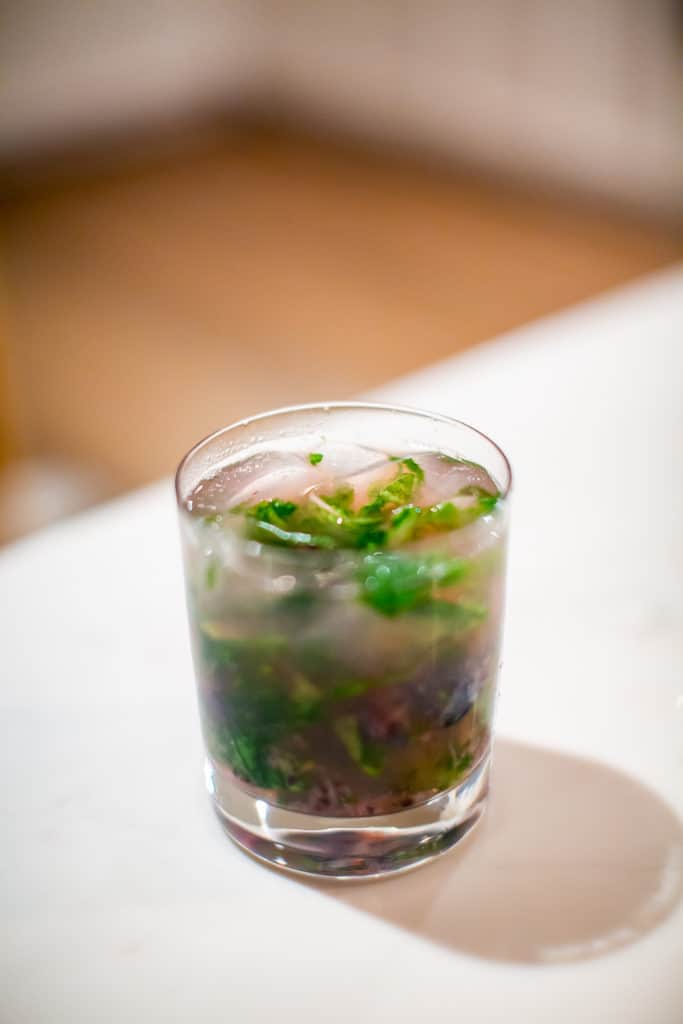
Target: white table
123,900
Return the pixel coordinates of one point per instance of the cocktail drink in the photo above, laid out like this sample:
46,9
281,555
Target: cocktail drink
345,579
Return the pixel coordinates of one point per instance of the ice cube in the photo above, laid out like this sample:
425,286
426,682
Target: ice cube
343,459
260,477
446,478
355,466
364,481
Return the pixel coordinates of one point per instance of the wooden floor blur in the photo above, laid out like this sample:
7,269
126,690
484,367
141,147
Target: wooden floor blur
147,307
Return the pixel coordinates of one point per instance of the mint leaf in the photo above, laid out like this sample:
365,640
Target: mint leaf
307,697
398,492
342,499
392,584
456,615
352,688
447,516
443,516
451,770
315,458
404,524
367,755
211,574
275,512
412,465
271,534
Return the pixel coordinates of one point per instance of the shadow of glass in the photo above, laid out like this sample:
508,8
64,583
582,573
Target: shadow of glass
572,860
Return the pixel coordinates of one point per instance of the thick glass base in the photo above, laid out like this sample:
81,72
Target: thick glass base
348,848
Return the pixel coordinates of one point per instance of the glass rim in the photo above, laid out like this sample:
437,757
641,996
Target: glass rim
340,406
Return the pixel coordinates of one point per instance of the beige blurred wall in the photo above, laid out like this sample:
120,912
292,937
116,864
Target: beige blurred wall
74,68
584,94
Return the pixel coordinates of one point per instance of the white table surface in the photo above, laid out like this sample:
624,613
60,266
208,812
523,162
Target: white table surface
123,901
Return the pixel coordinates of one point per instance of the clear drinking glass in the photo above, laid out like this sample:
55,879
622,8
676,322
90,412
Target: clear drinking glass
346,696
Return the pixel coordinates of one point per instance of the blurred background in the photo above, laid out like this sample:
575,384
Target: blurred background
214,207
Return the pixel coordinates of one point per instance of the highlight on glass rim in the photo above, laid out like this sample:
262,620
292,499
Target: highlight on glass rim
345,600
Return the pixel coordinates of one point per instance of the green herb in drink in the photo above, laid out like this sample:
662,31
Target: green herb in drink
392,517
